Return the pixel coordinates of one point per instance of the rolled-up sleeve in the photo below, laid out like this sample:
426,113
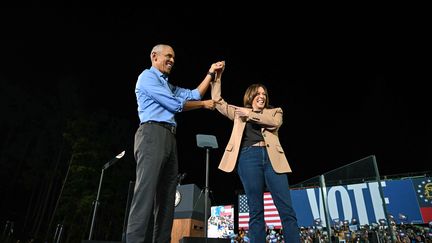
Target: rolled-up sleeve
150,86
187,94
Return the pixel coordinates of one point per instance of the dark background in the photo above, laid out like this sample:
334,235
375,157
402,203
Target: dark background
352,82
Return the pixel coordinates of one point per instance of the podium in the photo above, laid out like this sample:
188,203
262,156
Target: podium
188,213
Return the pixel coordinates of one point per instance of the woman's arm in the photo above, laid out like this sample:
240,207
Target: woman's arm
270,119
221,105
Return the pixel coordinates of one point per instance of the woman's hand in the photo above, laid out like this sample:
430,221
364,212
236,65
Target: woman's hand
217,67
241,111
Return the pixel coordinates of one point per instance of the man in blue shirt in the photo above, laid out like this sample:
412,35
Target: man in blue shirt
155,147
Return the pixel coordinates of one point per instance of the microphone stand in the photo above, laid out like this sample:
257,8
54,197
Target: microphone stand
96,202
206,192
208,142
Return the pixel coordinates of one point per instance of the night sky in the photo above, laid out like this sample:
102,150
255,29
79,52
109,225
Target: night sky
351,84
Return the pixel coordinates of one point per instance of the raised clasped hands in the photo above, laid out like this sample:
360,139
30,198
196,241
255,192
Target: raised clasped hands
217,67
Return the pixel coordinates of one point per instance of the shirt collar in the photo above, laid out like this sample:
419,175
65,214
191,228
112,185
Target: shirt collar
159,73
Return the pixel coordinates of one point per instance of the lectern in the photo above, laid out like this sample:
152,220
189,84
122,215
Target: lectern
188,213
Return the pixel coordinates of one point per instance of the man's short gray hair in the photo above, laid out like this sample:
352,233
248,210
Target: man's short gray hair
158,48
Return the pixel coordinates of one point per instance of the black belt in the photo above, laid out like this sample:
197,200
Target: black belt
166,125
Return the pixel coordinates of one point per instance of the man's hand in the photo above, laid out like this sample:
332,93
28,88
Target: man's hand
209,104
197,104
210,77
217,67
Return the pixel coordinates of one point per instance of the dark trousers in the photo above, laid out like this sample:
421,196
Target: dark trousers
256,172
156,180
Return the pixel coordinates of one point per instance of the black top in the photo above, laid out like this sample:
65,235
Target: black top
252,134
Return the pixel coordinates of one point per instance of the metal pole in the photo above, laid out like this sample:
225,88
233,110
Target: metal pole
56,233
206,192
58,199
128,204
389,226
60,234
326,210
96,204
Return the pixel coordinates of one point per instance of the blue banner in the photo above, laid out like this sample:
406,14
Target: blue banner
359,201
406,200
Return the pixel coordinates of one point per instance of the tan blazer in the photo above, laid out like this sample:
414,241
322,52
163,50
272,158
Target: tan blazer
270,119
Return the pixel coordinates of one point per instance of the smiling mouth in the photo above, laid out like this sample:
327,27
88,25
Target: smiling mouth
261,102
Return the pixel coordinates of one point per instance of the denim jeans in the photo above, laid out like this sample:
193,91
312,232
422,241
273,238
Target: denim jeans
256,173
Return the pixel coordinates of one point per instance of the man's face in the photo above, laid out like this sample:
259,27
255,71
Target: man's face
164,60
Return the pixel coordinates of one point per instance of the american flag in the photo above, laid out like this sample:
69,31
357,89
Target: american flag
271,215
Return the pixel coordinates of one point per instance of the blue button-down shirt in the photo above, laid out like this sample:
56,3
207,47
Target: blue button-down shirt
159,100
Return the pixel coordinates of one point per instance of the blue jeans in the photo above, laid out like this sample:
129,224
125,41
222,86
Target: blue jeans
256,172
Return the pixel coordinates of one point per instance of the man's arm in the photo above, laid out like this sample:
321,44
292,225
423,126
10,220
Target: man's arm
202,88
192,105
215,67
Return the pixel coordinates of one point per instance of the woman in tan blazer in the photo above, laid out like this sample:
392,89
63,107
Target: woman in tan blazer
255,149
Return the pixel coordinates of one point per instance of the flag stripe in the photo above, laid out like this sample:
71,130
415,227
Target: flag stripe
271,215
426,214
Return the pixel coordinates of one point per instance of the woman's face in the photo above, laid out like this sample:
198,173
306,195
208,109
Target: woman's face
259,101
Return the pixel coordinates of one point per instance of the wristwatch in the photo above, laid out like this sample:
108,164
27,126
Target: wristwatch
212,74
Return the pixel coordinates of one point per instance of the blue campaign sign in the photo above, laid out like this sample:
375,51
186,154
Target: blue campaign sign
358,201
402,201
